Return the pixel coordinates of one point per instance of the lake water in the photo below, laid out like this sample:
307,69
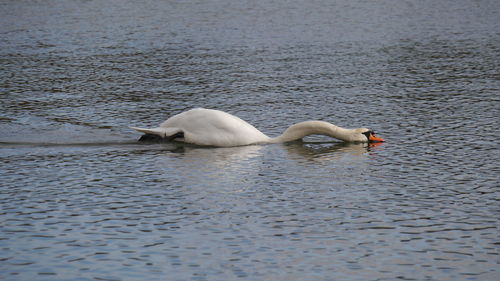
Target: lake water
82,200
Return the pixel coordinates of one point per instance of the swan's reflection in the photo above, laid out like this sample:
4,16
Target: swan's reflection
235,169
234,157
221,156
329,150
226,169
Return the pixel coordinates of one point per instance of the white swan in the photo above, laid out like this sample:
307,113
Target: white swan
217,128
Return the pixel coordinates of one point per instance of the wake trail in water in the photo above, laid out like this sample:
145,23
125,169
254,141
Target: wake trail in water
54,144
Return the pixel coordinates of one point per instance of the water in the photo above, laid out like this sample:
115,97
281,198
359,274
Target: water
81,200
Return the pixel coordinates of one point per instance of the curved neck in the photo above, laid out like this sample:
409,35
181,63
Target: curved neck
302,129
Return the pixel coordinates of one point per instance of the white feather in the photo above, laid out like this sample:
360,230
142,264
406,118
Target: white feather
217,128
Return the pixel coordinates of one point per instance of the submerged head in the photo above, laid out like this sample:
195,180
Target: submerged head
370,136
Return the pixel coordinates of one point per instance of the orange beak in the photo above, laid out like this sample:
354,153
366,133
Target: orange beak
373,138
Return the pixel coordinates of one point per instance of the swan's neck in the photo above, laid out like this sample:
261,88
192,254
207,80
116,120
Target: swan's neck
302,129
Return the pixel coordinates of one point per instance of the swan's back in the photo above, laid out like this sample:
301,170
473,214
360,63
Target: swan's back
213,127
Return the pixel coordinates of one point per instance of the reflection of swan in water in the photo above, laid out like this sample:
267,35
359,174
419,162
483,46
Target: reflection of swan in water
218,156
229,157
329,150
235,169
216,128
228,169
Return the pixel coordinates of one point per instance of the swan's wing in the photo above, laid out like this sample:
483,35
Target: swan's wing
208,127
214,128
162,132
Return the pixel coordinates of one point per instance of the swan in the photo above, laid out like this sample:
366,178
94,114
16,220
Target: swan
209,127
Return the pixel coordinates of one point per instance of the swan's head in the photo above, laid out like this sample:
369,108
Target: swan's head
370,135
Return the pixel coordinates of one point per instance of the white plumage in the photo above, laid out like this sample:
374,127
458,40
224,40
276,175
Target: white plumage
217,128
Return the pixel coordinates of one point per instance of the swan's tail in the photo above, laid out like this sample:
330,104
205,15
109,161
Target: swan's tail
155,131
162,132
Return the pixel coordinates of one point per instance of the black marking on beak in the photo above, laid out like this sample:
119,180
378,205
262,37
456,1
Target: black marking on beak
367,134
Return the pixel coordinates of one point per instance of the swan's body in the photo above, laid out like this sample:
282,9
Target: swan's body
216,128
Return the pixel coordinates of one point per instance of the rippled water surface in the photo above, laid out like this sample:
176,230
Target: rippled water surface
82,200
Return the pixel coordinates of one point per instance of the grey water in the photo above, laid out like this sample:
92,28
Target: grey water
80,199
